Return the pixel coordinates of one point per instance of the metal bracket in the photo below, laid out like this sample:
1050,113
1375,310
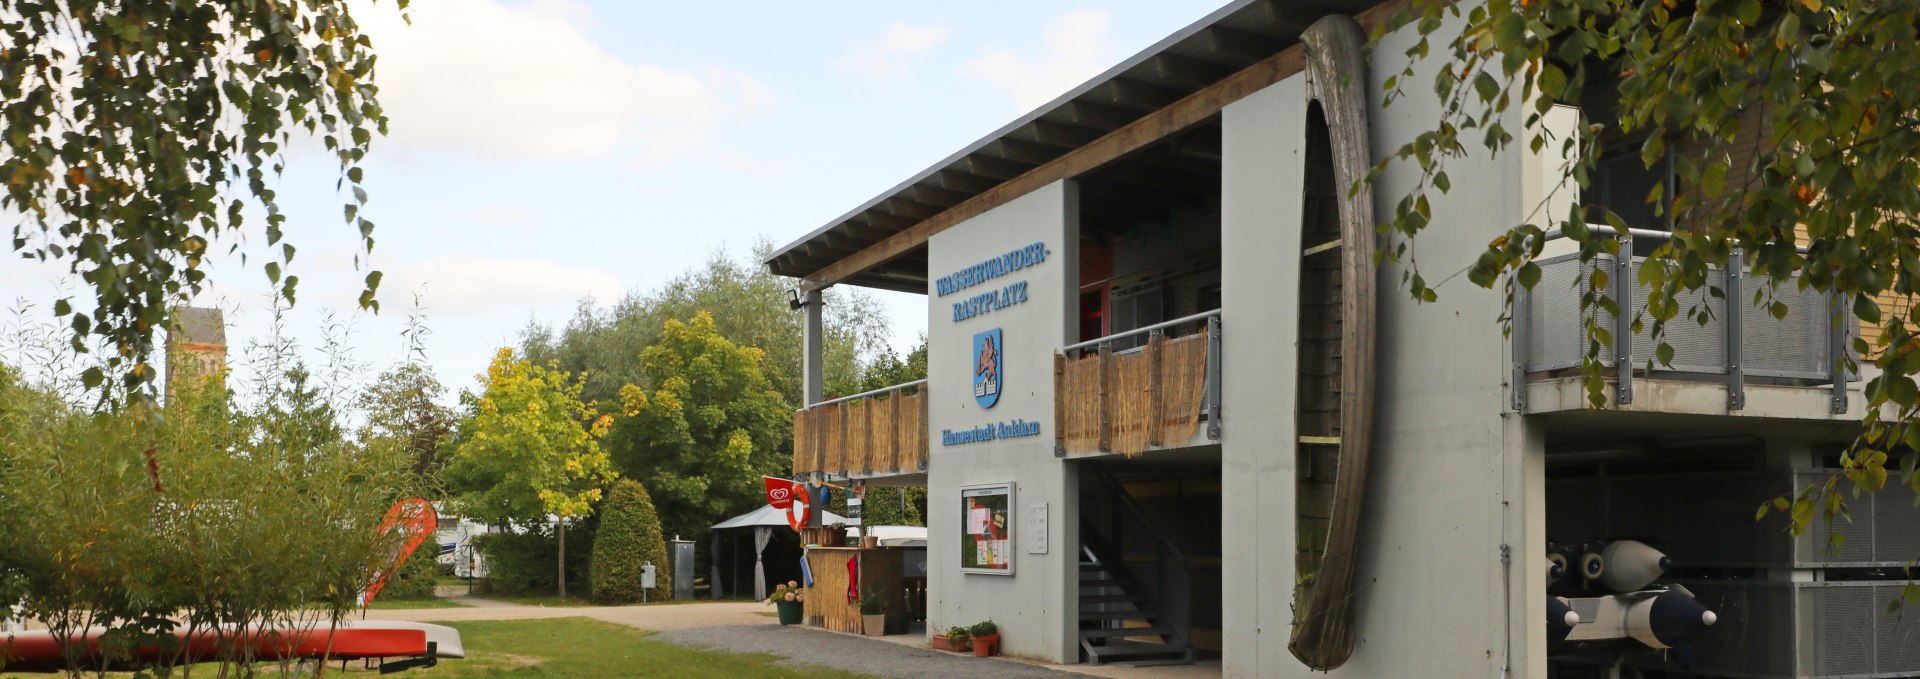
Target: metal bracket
1623,319
1837,339
1518,320
1736,305
1213,377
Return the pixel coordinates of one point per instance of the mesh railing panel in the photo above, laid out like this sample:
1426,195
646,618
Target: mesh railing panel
1793,347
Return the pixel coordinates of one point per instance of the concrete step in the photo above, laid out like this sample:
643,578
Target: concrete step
1141,614
1155,631
1110,599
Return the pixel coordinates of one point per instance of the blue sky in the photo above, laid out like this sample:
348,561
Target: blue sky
551,150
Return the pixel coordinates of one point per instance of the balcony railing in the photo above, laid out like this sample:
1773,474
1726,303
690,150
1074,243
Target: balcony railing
1153,396
1738,341
870,434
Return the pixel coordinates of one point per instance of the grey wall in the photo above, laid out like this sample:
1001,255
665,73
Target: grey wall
1455,477
1035,606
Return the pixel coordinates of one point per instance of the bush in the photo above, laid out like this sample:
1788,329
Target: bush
628,538
523,563
417,577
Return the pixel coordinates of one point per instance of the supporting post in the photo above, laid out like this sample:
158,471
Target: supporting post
1106,420
1837,338
1154,340
1736,332
814,333
1213,377
1623,320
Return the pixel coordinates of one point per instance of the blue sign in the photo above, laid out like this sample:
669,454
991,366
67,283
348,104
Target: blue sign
987,367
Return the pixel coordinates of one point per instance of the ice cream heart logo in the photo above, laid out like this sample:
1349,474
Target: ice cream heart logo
780,493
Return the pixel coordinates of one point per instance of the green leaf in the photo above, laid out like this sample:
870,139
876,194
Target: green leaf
1486,86
1664,354
1528,275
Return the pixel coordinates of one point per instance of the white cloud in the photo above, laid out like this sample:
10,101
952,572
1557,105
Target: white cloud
1077,48
467,285
884,59
526,82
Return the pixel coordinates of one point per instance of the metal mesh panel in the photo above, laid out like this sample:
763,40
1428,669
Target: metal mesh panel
1815,546
1897,636
1837,630
1696,348
1753,637
1896,526
1795,346
1556,338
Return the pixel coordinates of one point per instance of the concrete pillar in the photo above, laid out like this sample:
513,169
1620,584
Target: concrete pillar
812,383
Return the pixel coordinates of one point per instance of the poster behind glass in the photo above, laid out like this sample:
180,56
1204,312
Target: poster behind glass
986,538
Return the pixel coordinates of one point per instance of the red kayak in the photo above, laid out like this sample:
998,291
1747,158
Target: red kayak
411,644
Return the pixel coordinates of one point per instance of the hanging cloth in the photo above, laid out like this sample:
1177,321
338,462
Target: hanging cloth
853,578
761,536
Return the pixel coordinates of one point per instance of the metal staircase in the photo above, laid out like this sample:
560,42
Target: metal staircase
1133,616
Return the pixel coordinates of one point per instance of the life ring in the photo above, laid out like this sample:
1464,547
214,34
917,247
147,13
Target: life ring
798,512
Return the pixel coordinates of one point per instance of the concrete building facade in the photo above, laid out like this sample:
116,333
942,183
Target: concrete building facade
1114,287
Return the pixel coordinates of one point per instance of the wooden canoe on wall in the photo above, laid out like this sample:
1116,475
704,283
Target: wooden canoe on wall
1334,394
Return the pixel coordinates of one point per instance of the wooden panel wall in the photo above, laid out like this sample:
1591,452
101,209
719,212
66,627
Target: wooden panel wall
1131,403
870,437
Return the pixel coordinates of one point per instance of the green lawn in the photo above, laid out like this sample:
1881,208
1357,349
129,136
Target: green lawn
582,648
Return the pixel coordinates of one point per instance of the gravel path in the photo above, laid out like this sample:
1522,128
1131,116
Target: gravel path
801,646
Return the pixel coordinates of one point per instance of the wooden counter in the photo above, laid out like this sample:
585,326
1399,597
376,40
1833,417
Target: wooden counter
827,603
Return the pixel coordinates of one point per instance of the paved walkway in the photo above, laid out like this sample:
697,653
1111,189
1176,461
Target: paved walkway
743,627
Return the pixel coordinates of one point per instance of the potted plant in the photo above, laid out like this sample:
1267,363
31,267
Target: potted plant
954,640
873,612
836,535
790,599
869,541
986,639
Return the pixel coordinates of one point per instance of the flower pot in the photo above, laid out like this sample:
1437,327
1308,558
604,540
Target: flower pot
942,642
874,624
984,646
870,542
790,611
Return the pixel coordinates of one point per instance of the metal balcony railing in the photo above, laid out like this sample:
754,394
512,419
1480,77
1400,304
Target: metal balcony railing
870,434
1152,396
1740,340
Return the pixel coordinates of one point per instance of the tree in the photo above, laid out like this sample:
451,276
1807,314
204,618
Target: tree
523,452
403,405
748,305
629,538
1793,140
139,133
712,425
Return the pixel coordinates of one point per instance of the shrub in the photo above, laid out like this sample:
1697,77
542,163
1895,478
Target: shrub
522,563
984,629
628,538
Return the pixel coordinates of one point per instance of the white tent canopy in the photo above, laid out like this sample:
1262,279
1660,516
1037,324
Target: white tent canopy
763,520
766,515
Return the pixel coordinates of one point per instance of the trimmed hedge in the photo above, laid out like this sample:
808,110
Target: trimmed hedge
628,538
